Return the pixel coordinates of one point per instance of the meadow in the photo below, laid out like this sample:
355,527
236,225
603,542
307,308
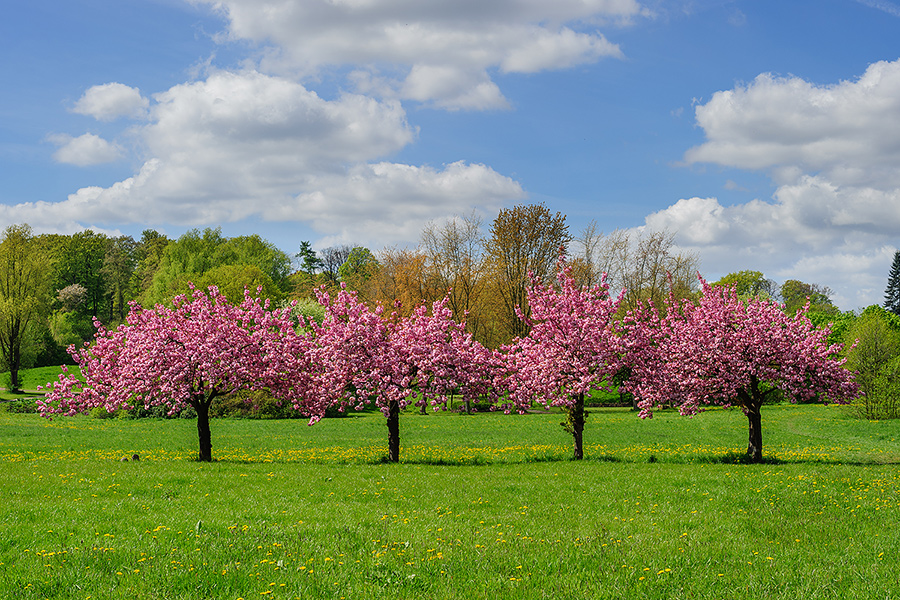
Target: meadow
480,506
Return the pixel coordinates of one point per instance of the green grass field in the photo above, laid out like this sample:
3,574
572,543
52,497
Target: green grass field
482,506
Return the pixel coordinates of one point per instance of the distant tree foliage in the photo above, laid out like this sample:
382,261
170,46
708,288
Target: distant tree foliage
524,241
795,294
454,253
892,293
876,360
648,266
310,263
332,258
195,254
749,283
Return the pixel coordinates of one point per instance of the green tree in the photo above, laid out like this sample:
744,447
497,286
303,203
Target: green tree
196,253
877,336
24,265
892,293
310,263
80,260
149,253
749,283
360,266
795,295
118,270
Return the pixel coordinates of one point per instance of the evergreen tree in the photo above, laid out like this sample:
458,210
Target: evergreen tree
892,293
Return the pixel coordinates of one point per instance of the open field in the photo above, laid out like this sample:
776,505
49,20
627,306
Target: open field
483,506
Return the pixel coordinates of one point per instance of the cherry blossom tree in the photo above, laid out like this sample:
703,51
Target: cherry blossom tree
571,349
730,351
365,358
187,355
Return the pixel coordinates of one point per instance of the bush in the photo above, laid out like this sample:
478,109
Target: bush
100,412
23,406
251,405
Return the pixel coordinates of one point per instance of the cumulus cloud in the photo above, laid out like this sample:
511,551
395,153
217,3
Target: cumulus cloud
111,101
84,150
832,152
420,39
241,145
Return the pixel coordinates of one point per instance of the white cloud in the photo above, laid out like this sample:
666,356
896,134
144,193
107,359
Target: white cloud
833,152
111,101
419,39
243,145
85,150
849,131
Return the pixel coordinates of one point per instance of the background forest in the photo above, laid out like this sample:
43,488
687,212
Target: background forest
52,287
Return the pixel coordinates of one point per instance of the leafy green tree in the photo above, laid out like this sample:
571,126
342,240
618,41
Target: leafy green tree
232,280
795,295
24,264
149,253
361,265
118,270
310,263
195,254
749,283
80,260
877,336
892,293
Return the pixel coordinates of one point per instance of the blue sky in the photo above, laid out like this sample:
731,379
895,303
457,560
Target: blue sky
763,134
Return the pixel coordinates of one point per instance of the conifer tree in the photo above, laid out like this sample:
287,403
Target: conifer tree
892,293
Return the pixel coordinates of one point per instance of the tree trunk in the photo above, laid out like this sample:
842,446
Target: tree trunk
754,447
393,425
752,403
15,361
576,415
202,408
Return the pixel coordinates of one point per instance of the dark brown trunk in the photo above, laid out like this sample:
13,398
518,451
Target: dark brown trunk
754,447
576,414
752,403
202,408
393,425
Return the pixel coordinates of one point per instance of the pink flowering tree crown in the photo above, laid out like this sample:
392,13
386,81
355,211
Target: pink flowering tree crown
730,351
570,350
201,348
365,358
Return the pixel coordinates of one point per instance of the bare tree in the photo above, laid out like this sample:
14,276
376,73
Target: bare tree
455,262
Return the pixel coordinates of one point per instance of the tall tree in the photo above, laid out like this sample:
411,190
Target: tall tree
455,257
647,265
892,293
310,263
873,341
188,258
24,265
81,260
525,241
118,270
749,283
730,351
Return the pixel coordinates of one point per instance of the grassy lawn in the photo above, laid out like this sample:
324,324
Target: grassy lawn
482,506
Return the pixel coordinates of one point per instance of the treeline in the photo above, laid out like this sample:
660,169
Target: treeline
54,286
